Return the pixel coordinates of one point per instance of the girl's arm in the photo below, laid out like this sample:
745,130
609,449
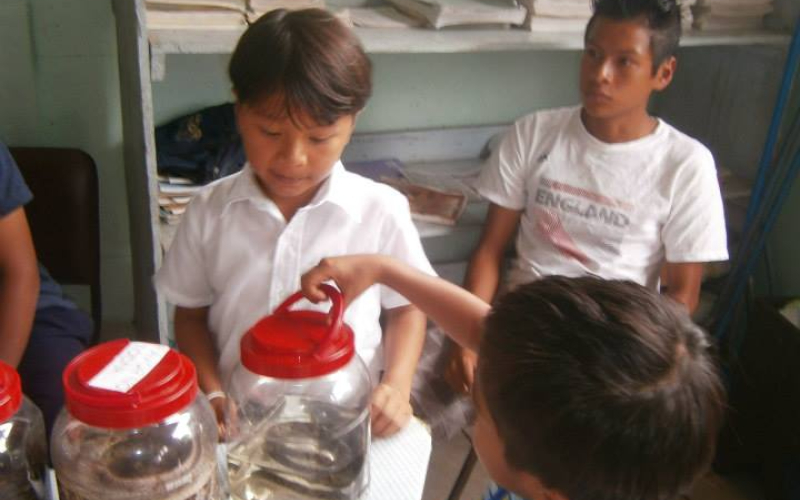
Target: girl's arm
194,339
403,338
458,312
19,286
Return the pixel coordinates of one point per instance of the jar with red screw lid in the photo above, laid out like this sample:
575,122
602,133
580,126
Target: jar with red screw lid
134,427
301,426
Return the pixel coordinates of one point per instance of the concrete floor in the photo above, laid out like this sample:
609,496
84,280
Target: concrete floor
447,458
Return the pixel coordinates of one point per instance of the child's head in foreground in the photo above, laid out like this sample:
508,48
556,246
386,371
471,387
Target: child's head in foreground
629,53
595,390
300,78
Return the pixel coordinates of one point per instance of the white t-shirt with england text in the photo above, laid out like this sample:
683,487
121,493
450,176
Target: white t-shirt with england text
617,211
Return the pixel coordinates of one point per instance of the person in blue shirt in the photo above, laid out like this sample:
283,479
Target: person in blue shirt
40,329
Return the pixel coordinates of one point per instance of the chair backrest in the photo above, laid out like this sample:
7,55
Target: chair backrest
64,217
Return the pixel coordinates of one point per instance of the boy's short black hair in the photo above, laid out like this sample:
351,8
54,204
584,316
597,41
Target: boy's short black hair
663,18
308,58
603,390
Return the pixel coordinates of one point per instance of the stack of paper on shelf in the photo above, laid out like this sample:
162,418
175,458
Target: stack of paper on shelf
195,14
730,15
382,16
432,205
174,194
257,8
429,198
443,13
555,16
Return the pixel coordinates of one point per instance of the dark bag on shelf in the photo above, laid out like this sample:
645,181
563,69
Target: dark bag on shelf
202,146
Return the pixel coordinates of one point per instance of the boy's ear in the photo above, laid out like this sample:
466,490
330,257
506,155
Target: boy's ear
664,73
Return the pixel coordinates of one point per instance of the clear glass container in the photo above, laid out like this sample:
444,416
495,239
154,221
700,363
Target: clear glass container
155,440
23,447
301,426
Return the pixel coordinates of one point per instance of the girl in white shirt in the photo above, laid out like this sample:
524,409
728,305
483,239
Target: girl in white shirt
300,78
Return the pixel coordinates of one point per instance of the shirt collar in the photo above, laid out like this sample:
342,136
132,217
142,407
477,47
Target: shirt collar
337,190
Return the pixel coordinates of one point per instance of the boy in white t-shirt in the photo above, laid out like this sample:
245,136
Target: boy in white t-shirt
604,189
300,79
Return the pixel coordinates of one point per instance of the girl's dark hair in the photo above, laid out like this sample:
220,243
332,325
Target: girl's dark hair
604,390
663,18
308,58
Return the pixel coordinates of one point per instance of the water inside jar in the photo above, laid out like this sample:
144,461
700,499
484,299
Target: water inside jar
21,461
162,462
301,450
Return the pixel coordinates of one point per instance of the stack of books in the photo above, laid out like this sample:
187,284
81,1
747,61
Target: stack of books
557,16
730,15
381,16
257,8
174,195
195,14
445,13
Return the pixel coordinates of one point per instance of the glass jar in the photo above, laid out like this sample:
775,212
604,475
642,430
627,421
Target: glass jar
23,447
134,427
301,428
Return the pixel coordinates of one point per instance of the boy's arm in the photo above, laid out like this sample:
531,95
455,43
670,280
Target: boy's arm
457,311
683,280
483,278
402,344
19,286
194,339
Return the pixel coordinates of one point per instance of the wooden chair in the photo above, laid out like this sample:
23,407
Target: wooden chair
64,217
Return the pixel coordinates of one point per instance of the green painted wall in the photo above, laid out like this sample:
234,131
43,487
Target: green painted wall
60,88
410,91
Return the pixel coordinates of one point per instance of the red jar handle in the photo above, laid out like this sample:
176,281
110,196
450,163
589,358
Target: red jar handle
335,315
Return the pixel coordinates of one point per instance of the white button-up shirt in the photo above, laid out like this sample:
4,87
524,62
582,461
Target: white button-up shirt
235,253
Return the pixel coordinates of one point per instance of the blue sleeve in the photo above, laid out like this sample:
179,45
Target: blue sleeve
14,193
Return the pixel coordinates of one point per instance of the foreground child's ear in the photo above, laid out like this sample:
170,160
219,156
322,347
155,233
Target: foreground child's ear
664,73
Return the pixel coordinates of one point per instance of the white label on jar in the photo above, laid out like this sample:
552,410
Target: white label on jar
129,366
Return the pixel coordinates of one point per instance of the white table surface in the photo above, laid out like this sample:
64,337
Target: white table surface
398,465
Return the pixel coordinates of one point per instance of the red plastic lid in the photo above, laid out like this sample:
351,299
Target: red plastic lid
10,392
299,344
166,389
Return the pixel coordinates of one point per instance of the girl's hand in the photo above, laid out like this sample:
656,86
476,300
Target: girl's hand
390,410
225,413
